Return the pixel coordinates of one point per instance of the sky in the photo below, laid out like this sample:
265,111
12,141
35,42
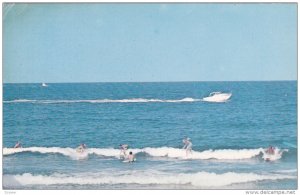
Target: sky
149,42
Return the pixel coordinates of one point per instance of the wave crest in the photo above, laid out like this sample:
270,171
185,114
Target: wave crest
199,179
47,150
221,154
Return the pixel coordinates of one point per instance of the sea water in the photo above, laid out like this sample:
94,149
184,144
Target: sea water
229,138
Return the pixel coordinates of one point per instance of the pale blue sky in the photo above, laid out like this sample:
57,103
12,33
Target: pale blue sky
149,42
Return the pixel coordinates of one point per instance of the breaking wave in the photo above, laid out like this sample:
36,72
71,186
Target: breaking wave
199,179
168,152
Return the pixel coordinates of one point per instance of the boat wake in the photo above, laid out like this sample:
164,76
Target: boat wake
214,97
133,100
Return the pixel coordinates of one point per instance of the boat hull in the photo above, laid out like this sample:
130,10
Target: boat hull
222,97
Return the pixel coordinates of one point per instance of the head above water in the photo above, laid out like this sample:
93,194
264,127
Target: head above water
130,152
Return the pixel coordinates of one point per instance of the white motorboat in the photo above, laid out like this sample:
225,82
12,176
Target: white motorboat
217,97
44,85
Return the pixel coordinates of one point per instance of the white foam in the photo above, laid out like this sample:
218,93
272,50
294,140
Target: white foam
169,152
45,150
71,152
199,179
287,171
276,156
110,152
133,100
20,101
224,154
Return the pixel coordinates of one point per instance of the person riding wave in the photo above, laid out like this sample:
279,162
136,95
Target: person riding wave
81,148
123,150
18,145
131,157
187,145
270,150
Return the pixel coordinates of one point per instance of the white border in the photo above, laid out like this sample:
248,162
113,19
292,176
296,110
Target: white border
134,192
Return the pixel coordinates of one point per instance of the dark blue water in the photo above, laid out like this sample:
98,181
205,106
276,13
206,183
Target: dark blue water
228,138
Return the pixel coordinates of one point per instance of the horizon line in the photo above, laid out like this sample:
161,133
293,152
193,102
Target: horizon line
147,81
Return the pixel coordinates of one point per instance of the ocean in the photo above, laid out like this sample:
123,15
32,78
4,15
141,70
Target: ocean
229,138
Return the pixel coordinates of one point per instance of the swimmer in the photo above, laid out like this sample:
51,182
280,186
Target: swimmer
123,149
81,148
187,146
131,157
18,145
270,150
